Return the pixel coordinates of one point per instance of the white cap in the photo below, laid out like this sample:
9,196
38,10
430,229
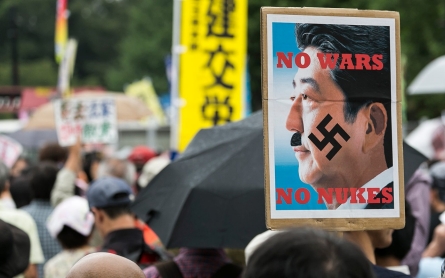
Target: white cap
151,169
74,213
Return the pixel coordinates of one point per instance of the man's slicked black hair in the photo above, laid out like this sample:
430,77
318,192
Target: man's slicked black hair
360,87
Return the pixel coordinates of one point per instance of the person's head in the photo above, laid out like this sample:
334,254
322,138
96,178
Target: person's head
20,189
19,166
105,265
346,103
151,169
15,248
119,168
401,239
71,223
4,177
53,152
43,176
90,164
109,199
141,155
307,252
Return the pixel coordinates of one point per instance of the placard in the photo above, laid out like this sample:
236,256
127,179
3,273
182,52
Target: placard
94,120
10,150
332,118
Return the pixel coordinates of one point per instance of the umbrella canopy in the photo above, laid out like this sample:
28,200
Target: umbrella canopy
411,161
213,195
422,137
34,139
128,109
430,79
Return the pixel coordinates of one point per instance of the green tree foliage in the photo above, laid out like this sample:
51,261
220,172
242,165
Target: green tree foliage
98,25
35,47
146,44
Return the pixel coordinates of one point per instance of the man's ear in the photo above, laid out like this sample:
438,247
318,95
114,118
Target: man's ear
7,186
98,214
376,125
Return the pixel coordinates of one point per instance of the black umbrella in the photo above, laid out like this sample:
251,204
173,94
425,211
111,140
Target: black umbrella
411,161
213,195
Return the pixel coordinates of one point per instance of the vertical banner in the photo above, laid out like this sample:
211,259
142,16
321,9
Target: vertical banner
145,91
66,69
212,63
332,118
94,121
61,30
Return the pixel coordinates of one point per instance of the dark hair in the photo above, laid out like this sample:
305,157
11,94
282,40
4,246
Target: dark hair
42,181
21,191
28,165
401,239
88,160
53,152
309,253
70,239
116,211
360,87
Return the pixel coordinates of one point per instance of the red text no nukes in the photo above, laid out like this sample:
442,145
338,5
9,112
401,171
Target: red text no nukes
303,60
326,195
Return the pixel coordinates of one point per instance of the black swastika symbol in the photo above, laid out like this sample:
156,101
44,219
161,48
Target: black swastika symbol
329,137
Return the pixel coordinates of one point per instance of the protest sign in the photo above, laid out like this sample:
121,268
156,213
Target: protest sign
94,120
332,118
10,150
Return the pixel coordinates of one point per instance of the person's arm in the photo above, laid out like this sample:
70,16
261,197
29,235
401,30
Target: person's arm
66,177
417,195
436,248
31,271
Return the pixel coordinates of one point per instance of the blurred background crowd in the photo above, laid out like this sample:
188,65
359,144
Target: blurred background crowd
74,201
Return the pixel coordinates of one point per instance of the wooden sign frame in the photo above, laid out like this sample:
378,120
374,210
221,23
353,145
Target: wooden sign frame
289,200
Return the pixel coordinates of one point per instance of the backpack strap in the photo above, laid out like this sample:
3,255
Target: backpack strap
228,270
169,270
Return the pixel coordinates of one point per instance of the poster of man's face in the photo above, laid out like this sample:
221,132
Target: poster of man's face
332,108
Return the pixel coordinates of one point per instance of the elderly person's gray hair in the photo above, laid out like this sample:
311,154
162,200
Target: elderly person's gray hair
4,175
118,168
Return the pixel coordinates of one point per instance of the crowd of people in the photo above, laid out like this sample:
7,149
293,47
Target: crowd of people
68,215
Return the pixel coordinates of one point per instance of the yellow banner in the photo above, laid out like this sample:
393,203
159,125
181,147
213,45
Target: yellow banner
145,91
212,65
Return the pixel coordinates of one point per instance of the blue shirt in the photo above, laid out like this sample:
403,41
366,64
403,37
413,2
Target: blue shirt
40,210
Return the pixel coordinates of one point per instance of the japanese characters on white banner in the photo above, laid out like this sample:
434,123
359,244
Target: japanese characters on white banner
10,150
94,121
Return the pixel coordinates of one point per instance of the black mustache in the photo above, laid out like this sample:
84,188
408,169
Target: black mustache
296,139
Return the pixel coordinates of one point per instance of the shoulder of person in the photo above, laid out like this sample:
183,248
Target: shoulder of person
381,272
20,215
